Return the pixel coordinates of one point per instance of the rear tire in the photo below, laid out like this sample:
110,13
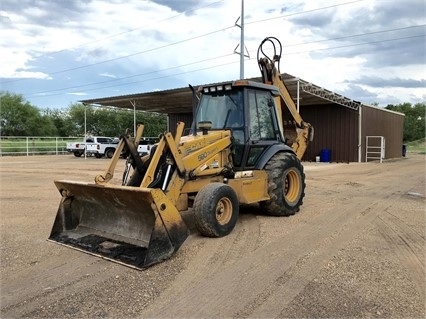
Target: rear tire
77,154
286,185
216,210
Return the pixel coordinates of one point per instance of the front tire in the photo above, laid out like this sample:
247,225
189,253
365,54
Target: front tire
216,210
109,153
286,185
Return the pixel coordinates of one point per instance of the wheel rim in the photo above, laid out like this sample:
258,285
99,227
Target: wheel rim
224,211
291,186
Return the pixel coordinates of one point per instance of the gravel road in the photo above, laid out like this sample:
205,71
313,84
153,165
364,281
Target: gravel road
356,249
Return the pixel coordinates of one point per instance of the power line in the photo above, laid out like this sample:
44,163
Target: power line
133,54
132,30
226,55
135,75
357,35
307,11
119,34
233,62
184,40
358,44
144,26
146,80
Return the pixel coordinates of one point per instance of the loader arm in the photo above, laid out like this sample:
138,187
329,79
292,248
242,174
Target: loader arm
269,68
189,158
131,145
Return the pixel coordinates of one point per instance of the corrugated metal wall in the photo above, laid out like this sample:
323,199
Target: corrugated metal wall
174,118
336,129
380,122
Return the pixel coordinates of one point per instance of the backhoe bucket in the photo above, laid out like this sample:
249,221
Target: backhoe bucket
133,226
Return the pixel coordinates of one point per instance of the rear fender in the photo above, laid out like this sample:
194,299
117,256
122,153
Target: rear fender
274,149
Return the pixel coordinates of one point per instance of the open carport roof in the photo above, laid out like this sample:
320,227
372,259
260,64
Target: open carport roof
180,100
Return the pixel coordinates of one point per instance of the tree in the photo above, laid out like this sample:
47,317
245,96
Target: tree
154,123
62,121
113,121
414,124
19,118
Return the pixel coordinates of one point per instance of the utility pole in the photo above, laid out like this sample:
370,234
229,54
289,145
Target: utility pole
241,45
242,42
85,130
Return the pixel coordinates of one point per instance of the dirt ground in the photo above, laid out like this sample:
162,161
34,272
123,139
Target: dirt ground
356,249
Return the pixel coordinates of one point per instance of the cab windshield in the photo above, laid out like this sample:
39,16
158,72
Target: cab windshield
223,110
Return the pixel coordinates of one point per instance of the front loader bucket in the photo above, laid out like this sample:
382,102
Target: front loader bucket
134,226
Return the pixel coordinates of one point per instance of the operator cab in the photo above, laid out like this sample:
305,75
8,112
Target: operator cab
248,110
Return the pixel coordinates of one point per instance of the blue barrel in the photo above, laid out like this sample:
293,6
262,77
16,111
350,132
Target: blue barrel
325,155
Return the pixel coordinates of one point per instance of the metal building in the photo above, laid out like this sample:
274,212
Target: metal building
345,130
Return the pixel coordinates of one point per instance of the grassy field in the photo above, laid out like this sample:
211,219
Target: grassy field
418,146
34,145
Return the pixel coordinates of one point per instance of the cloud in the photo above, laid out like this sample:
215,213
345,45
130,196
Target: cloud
93,55
382,95
361,94
108,75
29,75
145,45
378,30
359,16
30,13
315,20
77,93
181,5
375,81
4,19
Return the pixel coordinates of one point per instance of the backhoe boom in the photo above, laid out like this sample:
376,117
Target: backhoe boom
269,68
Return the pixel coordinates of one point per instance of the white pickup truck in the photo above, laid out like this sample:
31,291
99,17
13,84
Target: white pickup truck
146,144
144,148
94,145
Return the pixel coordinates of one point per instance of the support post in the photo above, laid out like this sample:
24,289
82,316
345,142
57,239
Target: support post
133,103
85,129
359,134
298,96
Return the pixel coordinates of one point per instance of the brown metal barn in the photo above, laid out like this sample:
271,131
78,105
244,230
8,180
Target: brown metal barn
345,130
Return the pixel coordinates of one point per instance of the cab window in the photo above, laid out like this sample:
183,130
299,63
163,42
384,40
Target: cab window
261,120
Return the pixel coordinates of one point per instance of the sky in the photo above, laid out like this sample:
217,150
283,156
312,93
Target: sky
57,52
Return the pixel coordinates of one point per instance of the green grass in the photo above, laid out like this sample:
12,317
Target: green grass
418,146
36,145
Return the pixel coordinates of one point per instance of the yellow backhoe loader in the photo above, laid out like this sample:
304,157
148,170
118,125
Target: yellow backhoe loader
245,147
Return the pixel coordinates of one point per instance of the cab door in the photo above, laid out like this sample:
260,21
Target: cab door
262,130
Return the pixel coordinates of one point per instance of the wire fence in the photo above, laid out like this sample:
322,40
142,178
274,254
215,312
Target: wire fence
34,145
